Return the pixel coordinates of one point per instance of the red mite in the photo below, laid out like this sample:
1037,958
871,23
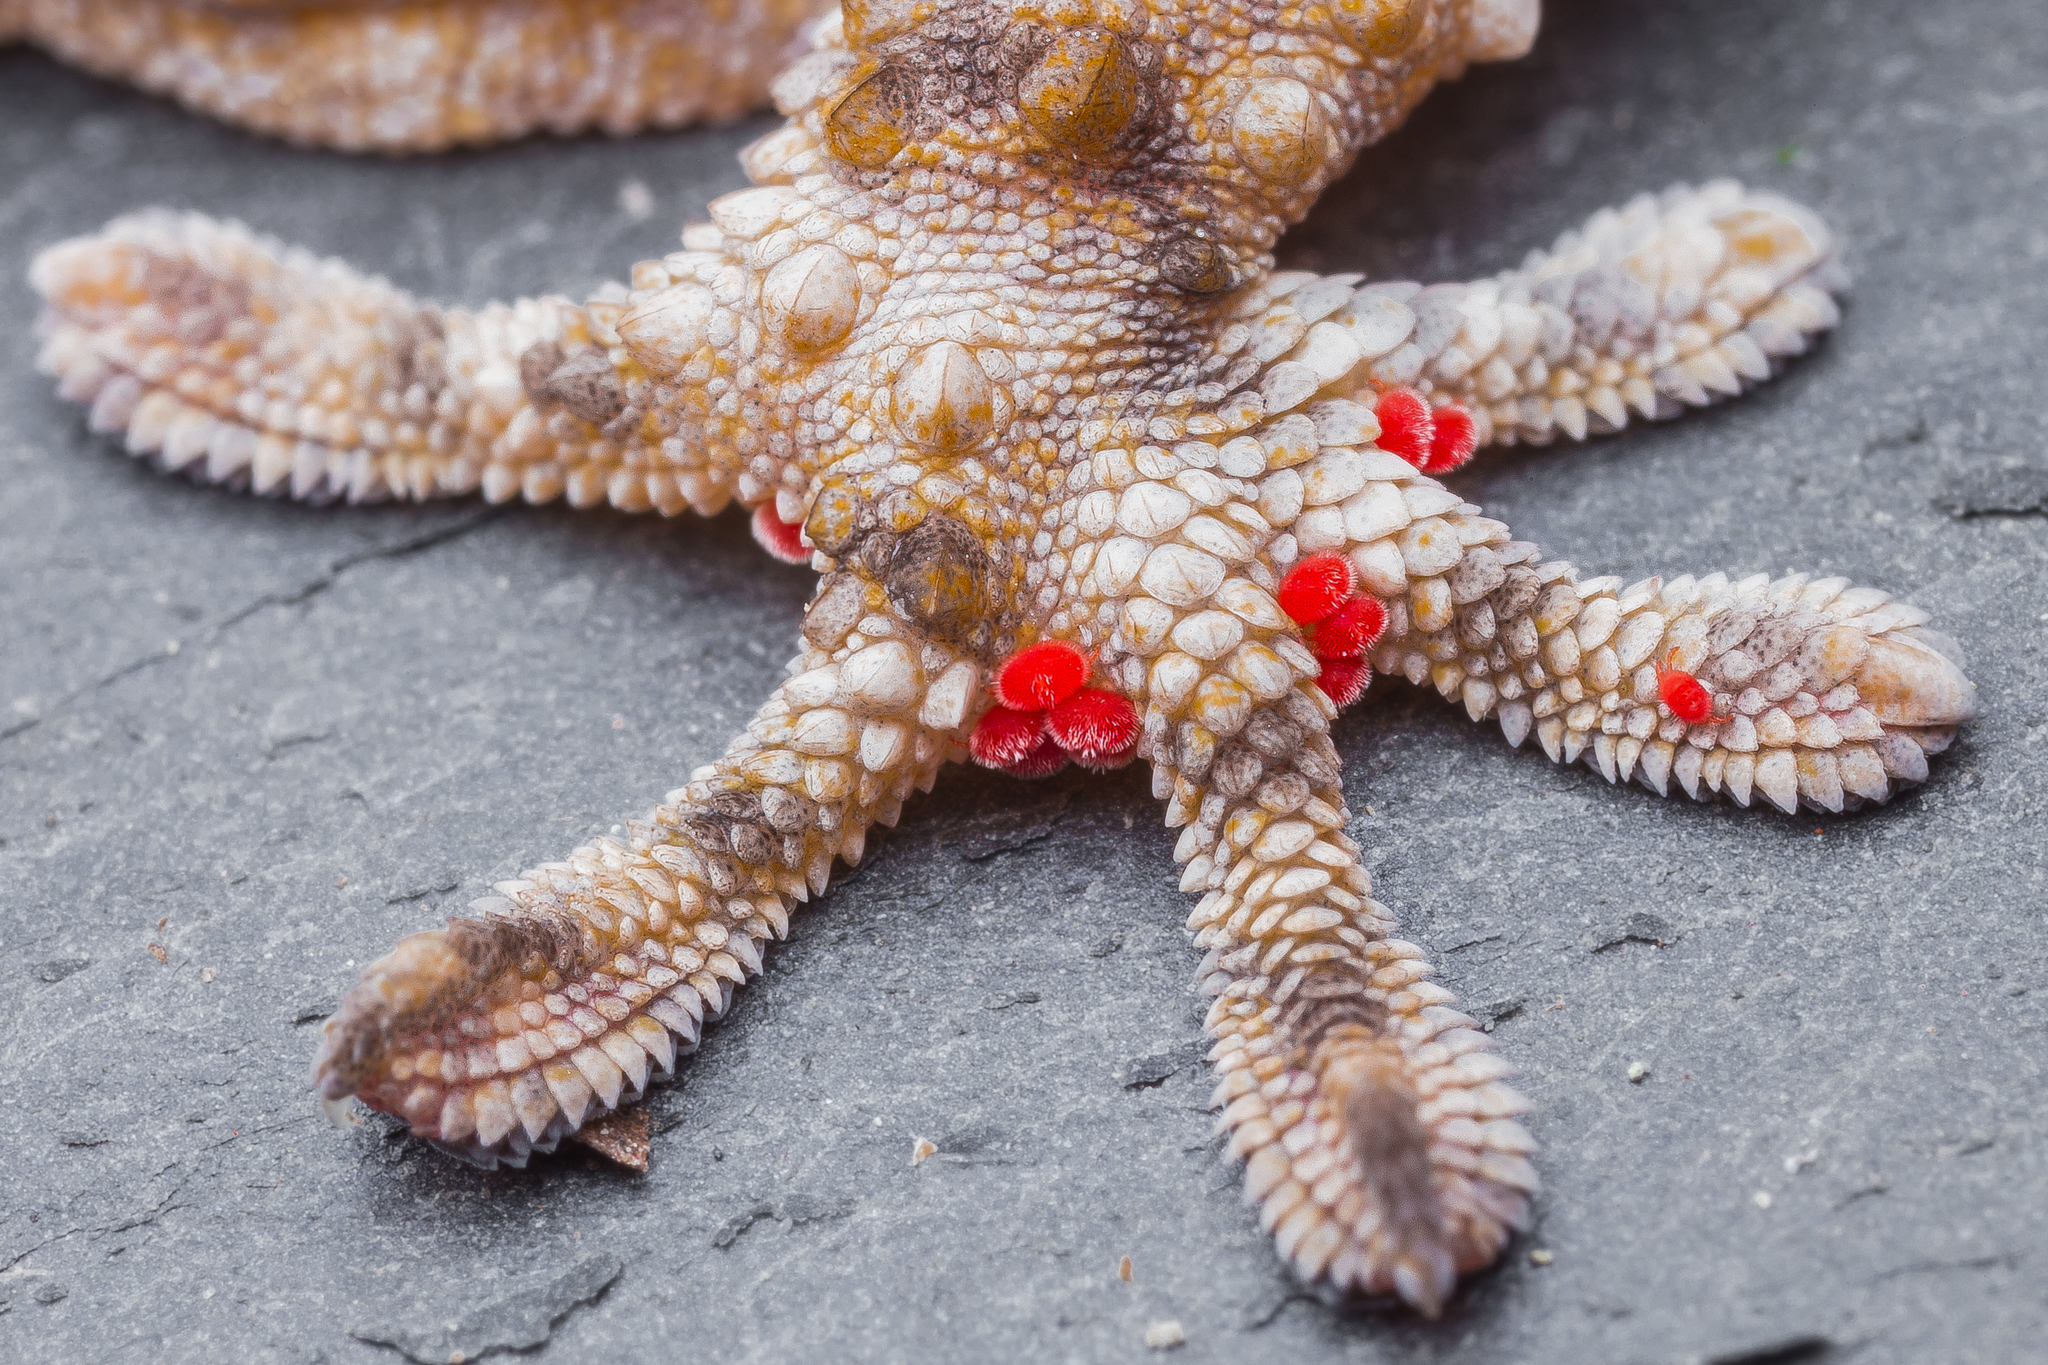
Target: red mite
1453,442
1004,738
1686,695
1351,630
780,538
1316,587
1098,727
1320,593
1045,714
1044,760
1041,676
1406,428
1434,440
1344,680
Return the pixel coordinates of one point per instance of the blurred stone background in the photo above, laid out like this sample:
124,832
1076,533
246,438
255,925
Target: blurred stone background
272,739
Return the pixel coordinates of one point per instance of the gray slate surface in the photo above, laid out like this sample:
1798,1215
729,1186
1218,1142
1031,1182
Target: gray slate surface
292,735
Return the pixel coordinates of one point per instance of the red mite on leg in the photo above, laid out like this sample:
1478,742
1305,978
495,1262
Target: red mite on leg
1098,727
1350,631
1344,680
1045,759
1454,440
1046,714
1041,676
1317,587
1406,426
1320,593
1004,738
1434,440
1686,696
784,540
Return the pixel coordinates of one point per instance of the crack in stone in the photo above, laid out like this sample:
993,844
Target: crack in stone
2007,1259
1652,930
144,1219
439,887
2019,492
518,1322
793,1209
1154,1069
1793,1350
312,588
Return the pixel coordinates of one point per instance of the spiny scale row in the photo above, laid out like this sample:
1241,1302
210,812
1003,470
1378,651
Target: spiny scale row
661,927
1671,301
241,362
1584,666
421,75
1288,909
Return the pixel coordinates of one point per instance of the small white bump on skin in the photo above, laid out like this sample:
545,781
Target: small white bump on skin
942,399
1147,624
1150,510
945,704
1277,127
1180,576
814,298
1375,511
1208,635
1431,547
670,328
751,214
880,679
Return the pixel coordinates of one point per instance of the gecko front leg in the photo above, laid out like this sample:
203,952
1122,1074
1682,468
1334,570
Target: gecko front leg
1671,301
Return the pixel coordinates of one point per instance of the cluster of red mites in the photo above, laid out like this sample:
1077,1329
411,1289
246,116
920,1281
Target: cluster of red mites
783,539
1321,593
1434,440
1045,714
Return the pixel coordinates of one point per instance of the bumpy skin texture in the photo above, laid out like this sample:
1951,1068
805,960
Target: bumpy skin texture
420,75
999,329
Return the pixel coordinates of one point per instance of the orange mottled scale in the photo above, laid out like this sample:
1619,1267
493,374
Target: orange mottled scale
995,338
421,75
